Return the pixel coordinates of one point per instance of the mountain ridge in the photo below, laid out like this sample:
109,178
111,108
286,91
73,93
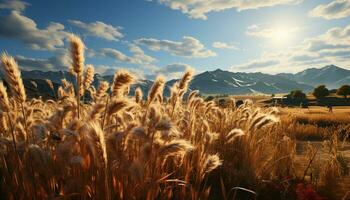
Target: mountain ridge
221,81
330,75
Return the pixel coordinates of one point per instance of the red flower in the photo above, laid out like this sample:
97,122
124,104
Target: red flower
306,192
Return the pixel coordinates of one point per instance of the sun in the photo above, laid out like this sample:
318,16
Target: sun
282,35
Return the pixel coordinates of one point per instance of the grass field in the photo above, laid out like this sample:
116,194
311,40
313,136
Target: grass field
126,146
316,123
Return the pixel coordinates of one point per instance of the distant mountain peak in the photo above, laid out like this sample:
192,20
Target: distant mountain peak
330,75
331,67
218,70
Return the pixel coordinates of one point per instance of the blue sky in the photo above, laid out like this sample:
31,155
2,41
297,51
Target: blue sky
168,36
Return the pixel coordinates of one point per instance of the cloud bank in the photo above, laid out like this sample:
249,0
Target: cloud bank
138,55
14,5
198,9
223,45
189,47
333,10
19,27
99,29
332,47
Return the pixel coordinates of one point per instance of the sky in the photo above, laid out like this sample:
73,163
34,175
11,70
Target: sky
152,37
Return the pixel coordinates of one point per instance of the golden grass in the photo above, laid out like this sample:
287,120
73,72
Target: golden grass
316,123
124,147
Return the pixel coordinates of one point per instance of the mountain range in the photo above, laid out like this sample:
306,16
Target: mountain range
218,81
331,76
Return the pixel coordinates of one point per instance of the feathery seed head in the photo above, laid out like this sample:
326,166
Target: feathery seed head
34,84
211,163
138,133
186,78
268,119
117,105
49,82
77,54
274,111
96,129
122,80
89,76
138,95
13,77
176,147
4,101
101,91
193,94
156,89
233,134
65,83
164,125
154,116
96,111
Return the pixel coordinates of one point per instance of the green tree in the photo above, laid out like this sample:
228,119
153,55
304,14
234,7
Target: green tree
344,90
222,102
297,94
209,98
320,92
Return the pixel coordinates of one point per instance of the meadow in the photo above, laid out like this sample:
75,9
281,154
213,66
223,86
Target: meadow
148,146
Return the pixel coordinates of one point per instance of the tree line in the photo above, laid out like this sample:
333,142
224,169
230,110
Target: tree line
320,92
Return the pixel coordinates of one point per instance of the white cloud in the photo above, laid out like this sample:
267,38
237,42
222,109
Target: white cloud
14,5
334,38
174,68
19,27
99,29
334,10
170,71
258,63
198,9
141,72
110,70
337,53
189,47
269,31
332,47
138,56
60,61
34,63
223,45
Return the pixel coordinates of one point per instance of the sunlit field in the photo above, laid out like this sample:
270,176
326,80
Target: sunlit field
121,145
